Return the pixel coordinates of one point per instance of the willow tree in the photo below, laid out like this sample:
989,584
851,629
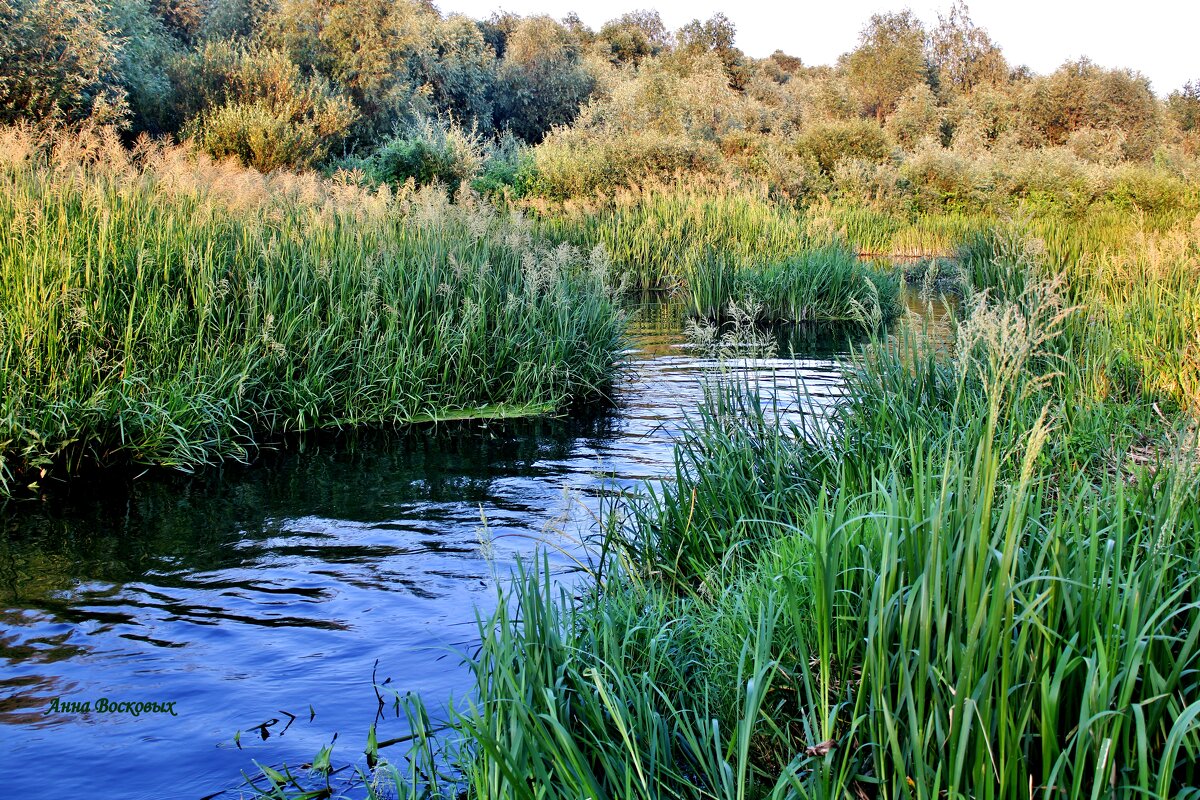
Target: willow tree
963,54
59,63
889,59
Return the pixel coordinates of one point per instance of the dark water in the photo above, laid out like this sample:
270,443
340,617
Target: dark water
260,594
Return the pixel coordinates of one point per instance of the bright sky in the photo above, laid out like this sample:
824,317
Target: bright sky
1157,37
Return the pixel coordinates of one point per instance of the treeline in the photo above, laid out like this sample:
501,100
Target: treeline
914,115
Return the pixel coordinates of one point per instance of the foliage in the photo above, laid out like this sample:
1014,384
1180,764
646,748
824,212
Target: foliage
367,48
634,37
542,79
434,149
889,59
60,63
963,54
916,117
831,142
1082,95
259,108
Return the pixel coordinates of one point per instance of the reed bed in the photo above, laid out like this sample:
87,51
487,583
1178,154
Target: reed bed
822,285
657,237
964,583
159,308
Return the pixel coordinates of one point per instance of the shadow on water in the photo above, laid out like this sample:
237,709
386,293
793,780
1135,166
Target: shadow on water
259,599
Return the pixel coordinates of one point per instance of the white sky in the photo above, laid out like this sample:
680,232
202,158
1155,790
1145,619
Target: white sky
1160,38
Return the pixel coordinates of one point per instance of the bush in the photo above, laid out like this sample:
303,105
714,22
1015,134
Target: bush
59,63
917,117
509,168
577,163
145,58
266,139
830,142
255,105
434,149
944,179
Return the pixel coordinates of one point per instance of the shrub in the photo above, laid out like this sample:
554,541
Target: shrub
944,179
434,149
917,117
830,142
257,106
266,139
577,163
542,79
509,168
144,64
59,63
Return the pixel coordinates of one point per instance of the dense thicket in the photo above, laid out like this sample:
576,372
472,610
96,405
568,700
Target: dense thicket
909,117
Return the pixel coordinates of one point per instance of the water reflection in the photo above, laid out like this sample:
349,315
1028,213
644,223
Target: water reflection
270,592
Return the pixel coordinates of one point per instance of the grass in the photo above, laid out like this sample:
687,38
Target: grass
157,308
657,237
822,285
966,583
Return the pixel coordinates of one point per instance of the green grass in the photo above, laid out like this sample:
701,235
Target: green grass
822,285
159,309
656,239
967,582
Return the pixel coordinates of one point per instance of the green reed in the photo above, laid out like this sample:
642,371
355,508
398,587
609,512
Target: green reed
160,309
822,285
929,593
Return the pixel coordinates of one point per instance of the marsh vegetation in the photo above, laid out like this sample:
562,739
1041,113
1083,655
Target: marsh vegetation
973,575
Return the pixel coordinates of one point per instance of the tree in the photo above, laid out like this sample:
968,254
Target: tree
1081,95
144,64
1184,106
916,117
716,35
60,63
782,67
459,67
370,48
542,80
963,53
635,36
889,59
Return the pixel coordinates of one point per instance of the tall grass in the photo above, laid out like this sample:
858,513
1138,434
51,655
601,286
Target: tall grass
930,595
822,285
162,309
657,237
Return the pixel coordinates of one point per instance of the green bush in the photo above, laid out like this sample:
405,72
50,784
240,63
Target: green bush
432,150
59,63
579,163
828,143
255,104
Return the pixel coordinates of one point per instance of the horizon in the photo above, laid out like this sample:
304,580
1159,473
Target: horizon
1067,31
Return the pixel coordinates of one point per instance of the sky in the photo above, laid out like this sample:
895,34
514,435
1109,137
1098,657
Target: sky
1161,38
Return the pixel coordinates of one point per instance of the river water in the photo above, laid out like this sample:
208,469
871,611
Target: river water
260,600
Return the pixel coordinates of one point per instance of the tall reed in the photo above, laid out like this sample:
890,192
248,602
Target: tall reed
158,308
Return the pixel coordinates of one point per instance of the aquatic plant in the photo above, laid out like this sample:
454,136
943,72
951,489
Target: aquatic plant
160,308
